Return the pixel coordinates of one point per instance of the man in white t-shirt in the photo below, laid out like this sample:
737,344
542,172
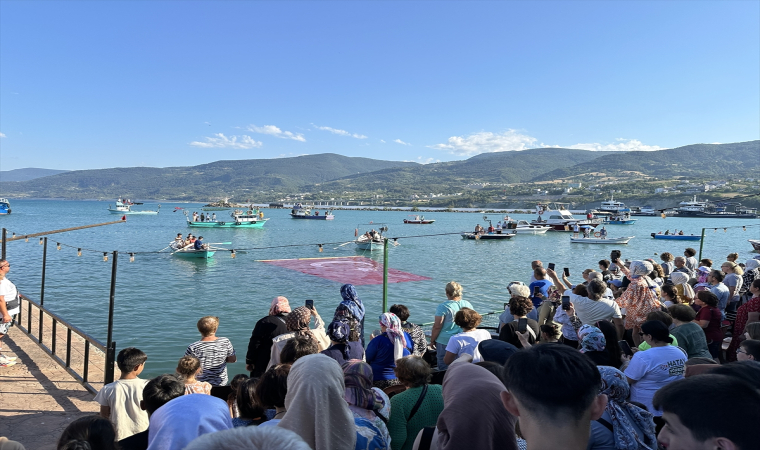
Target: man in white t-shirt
9,307
120,401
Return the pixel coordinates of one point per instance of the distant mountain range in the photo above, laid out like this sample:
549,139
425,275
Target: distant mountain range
27,174
252,179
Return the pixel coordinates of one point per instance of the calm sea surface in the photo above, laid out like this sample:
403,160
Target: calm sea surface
160,298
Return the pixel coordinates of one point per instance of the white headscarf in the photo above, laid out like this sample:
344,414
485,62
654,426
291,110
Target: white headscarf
316,408
184,418
250,438
751,264
682,279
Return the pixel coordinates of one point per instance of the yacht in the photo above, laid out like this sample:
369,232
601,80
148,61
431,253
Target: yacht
612,206
559,218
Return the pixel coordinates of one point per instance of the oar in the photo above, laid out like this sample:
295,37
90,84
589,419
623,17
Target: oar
218,243
341,245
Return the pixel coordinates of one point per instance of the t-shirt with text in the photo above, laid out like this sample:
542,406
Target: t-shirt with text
652,370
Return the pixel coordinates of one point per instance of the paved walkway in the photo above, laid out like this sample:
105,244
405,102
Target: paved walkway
38,398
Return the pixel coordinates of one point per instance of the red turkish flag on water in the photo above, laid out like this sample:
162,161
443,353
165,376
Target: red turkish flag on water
357,270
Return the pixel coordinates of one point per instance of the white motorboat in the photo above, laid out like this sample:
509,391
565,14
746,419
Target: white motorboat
523,226
560,218
124,206
612,206
599,240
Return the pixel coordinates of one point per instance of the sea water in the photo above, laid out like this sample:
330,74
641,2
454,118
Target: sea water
159,298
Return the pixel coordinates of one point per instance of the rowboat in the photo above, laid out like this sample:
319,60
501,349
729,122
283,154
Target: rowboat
595,240
301,212
419,220
192,253
251,218
676,237
124,206
488,236
617,221
622,217
371,240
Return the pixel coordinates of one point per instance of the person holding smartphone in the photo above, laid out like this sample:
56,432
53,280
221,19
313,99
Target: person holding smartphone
520,307
540,288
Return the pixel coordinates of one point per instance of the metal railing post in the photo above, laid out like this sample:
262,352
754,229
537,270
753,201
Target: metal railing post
385,274
5,232
110,345
42,284
701,243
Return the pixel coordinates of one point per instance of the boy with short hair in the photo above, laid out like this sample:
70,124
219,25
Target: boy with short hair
213,352
120,401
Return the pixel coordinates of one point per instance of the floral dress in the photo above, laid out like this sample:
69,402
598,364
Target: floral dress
638,300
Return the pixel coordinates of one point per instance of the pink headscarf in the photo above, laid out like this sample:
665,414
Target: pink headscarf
395,333
279,305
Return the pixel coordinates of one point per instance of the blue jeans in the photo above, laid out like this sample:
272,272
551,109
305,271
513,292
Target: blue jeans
440,353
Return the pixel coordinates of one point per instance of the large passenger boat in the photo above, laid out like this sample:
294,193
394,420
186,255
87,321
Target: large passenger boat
252,218
723,210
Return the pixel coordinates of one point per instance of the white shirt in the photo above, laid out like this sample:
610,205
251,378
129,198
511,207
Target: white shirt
652,370
591,311
9,292
123,397
467,342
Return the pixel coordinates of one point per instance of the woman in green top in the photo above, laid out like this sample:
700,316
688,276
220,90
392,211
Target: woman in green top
444,326
414,373
687,332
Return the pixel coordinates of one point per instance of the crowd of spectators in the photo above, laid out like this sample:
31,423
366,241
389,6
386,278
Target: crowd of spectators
639,355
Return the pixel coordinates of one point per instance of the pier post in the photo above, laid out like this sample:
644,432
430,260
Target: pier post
42,283
110,345
385,274
701,243
4,234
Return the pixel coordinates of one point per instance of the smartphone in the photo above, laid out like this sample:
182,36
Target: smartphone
615,255
522,325
536,291
567,271
565,302
551,266
310,304
626,348
506,305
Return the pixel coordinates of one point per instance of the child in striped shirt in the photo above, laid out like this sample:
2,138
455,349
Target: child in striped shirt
213,352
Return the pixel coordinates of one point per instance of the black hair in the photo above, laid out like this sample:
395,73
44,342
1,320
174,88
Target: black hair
273,386
658,331
551,330
604,263
662,316
129,358
531,376
725,407
690,252
612,346
717,274
89,432
756,283
670,290
708,298
491,366
684,313
752,348
401,311
247,401
747,371
298,347
158,391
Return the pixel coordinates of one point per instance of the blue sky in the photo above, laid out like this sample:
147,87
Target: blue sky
136,83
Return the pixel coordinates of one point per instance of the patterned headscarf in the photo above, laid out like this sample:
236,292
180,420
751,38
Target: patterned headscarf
555,295
279,305
682,279
640,269
338,332
622,413
352,301
358,378
298,321
592,339
395,333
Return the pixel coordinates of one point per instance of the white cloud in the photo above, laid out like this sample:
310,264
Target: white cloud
427,160
2,135
382,141
487,142
222,141
276,132
399,141
340,132
623,145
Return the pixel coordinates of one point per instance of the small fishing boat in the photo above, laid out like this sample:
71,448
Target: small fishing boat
676,237
487,236
371,240
192,253
222,205
523,226
124,206
5,206
755,244
301,212
419,220
252,218
598,240
622,217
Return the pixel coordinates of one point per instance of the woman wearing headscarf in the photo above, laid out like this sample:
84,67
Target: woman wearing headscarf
250,438
183,419
640,298
266,329
365,401
733,280
751,273
473,415
742,316
317,411
341,349
683,288
623,425
382,352
351,307
593,344
297,324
